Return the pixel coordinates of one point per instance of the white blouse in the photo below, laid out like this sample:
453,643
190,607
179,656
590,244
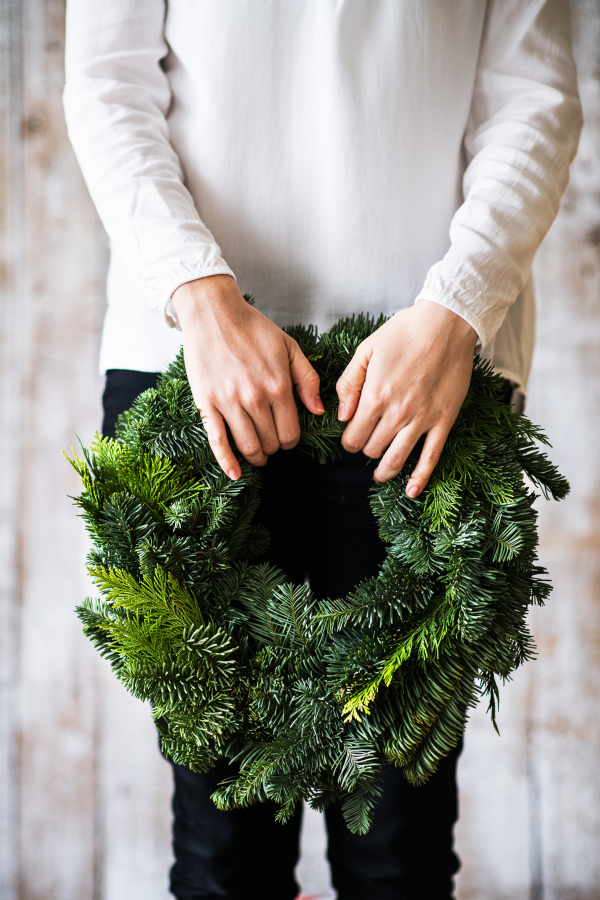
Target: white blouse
335,156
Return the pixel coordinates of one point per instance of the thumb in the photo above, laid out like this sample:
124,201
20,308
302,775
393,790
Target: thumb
351,382
305,379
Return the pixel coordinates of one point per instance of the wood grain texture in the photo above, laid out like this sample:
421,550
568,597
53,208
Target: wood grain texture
84,793
59,307
11,369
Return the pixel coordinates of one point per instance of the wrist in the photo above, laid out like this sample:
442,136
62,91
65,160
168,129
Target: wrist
194,299
452,323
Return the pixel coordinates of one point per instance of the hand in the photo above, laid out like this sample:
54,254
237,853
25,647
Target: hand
407,379
241,368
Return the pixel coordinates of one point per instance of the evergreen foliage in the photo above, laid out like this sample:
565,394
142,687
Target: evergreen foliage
311,698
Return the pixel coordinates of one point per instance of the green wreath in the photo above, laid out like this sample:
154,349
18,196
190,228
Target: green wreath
311,698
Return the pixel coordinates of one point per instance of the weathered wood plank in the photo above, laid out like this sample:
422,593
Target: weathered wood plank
312,871
59,319
135,797
11,369
94,814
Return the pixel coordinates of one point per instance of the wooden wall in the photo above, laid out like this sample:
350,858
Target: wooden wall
83,791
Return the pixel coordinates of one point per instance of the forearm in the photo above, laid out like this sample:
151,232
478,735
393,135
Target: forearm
116,100
521,137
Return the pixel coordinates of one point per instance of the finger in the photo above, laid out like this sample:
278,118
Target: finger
397,453
382,436
286,419
245,436
217,438
359,430
351,382
261,416
430,454
305,379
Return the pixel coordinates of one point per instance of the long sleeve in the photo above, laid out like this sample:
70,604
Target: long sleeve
521,137
116,100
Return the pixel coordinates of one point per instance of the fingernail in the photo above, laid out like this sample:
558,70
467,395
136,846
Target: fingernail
342,411
413,491
234,474
319,404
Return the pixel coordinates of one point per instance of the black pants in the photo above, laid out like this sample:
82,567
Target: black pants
322,528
